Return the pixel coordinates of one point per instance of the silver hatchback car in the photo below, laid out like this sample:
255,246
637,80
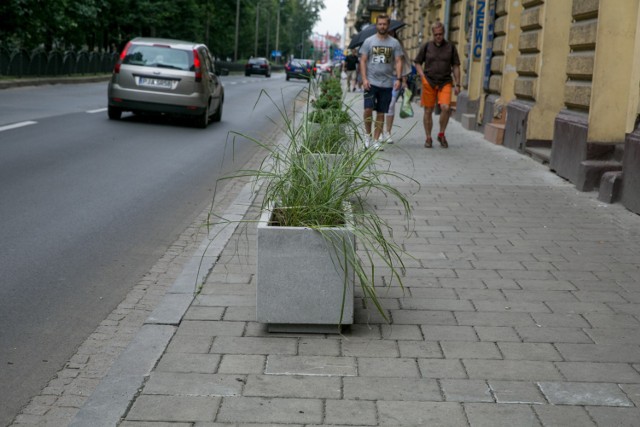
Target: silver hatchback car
166,76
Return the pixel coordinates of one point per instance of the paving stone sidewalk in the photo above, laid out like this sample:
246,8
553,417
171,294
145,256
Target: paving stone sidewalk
521,308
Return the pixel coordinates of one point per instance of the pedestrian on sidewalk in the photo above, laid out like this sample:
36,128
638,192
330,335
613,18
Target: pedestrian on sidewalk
380,61
350,67
435,63
395,94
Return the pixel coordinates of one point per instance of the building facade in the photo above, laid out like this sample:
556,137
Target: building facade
558,80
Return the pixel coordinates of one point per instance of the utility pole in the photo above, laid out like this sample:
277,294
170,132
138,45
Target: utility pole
235,51
278,29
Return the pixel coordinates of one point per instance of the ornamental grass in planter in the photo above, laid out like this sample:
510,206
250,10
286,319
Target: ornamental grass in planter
324,197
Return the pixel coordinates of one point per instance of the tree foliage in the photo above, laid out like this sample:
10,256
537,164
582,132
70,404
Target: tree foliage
109,24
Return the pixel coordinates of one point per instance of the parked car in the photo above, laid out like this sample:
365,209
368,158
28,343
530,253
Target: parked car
300,69
166,76
258,66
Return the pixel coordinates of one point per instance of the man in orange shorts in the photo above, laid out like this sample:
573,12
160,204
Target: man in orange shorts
435,63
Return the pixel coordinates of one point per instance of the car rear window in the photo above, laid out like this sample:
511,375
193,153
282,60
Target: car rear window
159,56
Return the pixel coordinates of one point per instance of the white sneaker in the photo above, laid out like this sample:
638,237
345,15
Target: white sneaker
378,145
367,141
387,138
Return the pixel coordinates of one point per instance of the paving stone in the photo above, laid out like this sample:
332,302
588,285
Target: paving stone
515,370
242,364
387,367
189,362
401,332
436,304
210,328
311,365
436,293
441,368
156,424
188,384
546,285
458,390
441,414
563,416
632,391
254,345
204,313
470,350
537,296
493,319
599,372
351,412
609,336
595,394
497,415
239,314
190,344
448,333
553,335
497,333
602,320
262,410
599,353
516,392
292,386
480,294
422,317
560,320
512,306
420,349
599,296
370,348
619,417
529,351
173,408
578,307
318,347
385,388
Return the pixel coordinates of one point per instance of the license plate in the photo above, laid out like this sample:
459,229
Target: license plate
256,66
146,81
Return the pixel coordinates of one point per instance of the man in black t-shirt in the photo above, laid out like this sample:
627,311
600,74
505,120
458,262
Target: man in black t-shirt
350,67
435,63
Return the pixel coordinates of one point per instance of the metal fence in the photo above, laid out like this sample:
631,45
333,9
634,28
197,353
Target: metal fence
20,63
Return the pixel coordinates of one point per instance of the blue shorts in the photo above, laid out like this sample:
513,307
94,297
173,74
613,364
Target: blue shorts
378,98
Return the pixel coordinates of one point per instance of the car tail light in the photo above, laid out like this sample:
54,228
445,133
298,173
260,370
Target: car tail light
116,68
197,65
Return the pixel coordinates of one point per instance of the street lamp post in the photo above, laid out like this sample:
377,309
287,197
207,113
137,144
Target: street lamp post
255,47
235,50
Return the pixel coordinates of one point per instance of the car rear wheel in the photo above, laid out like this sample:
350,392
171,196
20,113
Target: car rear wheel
114,113
217,116
203,119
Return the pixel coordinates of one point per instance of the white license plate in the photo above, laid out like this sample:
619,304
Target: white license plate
145,81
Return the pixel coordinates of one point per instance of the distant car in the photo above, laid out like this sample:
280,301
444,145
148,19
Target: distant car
300,69
258,66
166,76
326,67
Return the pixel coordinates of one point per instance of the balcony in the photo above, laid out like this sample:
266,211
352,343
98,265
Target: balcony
377,5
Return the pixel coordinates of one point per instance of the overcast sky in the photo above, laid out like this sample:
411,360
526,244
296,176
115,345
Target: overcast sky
332,17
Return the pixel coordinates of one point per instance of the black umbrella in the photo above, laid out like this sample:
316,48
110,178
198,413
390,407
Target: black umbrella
370,30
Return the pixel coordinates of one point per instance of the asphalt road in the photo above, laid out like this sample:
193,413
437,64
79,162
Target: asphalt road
87,205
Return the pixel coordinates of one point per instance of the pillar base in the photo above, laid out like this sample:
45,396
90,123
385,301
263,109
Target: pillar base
515,131
575,159
631,176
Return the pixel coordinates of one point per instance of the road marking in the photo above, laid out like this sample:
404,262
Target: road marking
16,125
99,110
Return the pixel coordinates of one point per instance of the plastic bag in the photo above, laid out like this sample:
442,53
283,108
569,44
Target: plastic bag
407,110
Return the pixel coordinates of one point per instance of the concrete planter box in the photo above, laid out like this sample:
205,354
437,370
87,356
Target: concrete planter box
301,282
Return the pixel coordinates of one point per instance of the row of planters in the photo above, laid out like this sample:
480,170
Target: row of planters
318,237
